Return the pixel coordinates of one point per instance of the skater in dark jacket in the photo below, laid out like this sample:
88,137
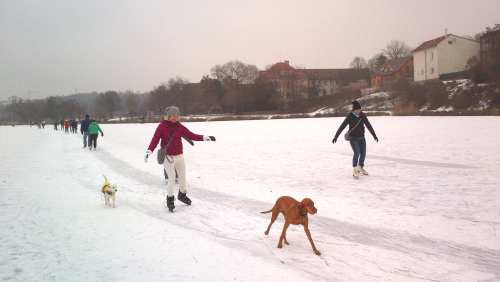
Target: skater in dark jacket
174,161
356,120
84,129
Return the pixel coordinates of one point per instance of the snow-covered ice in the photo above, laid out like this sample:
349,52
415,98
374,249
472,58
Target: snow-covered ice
428,211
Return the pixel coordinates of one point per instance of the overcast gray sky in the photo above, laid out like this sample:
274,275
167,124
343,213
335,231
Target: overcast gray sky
58,47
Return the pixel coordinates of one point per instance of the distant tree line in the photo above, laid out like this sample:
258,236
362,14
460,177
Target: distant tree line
103,105
232,89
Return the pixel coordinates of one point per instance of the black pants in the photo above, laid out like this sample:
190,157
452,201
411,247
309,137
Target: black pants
93,140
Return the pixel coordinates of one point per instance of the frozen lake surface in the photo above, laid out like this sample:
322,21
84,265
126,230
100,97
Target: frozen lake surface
428,211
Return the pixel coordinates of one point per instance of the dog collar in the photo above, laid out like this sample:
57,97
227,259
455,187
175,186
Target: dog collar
105,188
303,215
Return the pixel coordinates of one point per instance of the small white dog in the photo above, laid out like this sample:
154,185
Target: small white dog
109,191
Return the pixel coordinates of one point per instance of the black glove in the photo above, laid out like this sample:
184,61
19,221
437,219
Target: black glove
212,138
82,132
376,139
102,135
334,140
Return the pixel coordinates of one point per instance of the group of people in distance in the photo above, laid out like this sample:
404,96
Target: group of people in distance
89,128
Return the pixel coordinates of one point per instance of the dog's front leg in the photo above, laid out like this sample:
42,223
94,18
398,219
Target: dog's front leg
306,229
113,201
283,235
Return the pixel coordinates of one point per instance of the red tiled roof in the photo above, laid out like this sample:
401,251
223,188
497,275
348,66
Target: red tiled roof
282,66
430,43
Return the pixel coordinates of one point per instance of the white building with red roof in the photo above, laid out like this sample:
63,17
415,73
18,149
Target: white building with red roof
443,57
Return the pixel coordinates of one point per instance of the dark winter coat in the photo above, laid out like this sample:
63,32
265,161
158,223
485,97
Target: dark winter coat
84,127
359,131
164,132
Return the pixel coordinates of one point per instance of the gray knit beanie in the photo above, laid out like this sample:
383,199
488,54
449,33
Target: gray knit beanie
172,110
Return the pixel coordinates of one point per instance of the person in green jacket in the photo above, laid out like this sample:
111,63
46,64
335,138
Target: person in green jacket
94,130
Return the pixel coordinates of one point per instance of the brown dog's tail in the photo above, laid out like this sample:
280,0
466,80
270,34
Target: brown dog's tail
267,211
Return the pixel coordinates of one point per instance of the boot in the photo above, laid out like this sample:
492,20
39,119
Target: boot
360,169
183,198
170,203
355,173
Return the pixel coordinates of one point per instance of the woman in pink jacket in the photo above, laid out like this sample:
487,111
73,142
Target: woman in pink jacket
174,161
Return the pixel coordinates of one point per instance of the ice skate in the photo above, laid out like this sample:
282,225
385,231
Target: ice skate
170,203
183,198
360,169
355,173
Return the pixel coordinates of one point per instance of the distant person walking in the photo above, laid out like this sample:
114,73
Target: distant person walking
62,125
74,126
84,129
55,125
66,127
356,120
170,132
94,130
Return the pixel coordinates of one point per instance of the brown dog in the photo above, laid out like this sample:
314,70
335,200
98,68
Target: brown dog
295,212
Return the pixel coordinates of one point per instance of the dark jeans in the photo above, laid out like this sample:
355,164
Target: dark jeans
93,140
359,148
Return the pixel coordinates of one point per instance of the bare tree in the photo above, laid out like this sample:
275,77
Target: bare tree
211,93
132,103
358,63
17,107
158,98
396,49
177,94
109,102
377,61
234,75
235,72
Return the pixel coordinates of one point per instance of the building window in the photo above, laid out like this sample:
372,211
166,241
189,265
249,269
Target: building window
432,56
408,69
421,72
432,70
